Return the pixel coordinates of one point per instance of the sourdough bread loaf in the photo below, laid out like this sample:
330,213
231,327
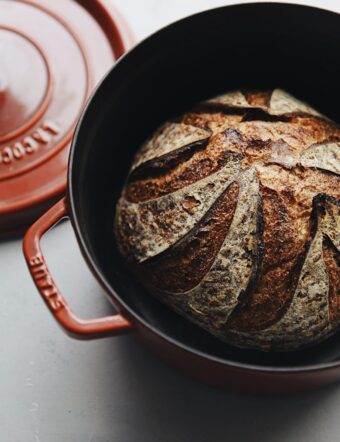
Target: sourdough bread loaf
231,216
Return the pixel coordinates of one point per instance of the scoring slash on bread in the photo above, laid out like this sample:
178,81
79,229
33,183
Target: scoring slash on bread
231,216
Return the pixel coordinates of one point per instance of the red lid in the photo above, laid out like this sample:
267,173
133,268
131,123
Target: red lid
52,53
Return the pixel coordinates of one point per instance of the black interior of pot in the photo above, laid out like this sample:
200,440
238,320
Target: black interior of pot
252,46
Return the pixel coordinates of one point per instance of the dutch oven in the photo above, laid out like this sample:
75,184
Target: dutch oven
255,45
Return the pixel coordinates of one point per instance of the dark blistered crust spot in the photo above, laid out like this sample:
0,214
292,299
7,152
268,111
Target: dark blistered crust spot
182,266
282,261
322,205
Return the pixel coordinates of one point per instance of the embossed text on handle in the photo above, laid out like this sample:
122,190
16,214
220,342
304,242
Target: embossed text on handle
45,283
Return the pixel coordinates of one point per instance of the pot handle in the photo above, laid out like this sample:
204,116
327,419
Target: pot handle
74,326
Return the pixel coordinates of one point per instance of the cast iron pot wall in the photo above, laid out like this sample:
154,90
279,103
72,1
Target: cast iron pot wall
253,46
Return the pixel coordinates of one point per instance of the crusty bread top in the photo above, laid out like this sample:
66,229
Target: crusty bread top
231,215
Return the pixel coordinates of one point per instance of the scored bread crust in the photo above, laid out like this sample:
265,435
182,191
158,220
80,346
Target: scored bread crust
231,216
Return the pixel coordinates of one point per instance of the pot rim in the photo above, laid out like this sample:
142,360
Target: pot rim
112,295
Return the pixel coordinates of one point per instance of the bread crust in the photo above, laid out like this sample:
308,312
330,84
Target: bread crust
231,216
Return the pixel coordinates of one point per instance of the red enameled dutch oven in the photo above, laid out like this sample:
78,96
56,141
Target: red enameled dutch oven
260,45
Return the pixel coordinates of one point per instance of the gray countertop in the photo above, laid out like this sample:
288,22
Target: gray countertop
55,389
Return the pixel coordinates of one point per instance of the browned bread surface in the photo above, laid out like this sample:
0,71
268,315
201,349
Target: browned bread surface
231,215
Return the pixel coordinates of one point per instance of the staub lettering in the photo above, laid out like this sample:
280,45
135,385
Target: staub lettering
29,144
45,284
